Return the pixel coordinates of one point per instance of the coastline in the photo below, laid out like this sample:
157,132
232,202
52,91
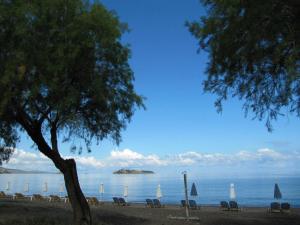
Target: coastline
22,212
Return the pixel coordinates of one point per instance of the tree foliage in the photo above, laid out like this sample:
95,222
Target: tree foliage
254,54
63,70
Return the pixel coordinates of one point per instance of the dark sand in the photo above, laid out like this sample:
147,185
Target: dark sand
39,213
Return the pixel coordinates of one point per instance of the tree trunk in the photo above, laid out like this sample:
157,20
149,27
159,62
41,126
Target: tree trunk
81,209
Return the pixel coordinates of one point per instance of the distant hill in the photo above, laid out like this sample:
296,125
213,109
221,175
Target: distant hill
124,171
15,171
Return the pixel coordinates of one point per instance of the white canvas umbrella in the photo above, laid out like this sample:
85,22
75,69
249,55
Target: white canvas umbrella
61,189
125,194
45,187
232,194
26,187
158,192
7,188
101,190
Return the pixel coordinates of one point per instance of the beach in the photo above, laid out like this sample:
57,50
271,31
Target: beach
23,212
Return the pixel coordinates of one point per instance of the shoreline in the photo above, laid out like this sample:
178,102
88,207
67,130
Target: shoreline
21,212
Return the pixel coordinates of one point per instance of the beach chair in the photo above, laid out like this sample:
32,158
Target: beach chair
275,207
38,197
183,203
149,203
54,198
122,202
93,201
5,196
157,203
116,201
234,206
19,196
285,207
224,206
193,204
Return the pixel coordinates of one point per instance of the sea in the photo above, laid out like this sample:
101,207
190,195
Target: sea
249,191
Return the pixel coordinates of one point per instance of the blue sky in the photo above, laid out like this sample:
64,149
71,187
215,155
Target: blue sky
179,117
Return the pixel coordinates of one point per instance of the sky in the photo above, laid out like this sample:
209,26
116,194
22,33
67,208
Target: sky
180,128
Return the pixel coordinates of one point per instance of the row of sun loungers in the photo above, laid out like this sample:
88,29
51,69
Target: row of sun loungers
231,206
154,203
120,201
191,204
276,207
34,197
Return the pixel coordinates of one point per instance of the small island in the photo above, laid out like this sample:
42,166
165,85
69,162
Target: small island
16,171
126,171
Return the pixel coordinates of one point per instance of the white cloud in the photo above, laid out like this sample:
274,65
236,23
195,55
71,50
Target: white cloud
129,158
88,161
37,161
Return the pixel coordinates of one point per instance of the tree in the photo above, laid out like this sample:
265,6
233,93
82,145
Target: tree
64,75
254,54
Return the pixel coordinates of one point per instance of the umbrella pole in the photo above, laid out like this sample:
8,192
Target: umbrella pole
186,195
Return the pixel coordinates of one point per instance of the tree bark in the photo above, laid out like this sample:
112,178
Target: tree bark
81,209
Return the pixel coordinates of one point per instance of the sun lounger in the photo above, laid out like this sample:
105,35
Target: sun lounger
39,197
122,202
224,206
183,203
285,207
193,204
116,201
5,196
275,207
93,201
55,198
234,206
19,196
149,203
157,203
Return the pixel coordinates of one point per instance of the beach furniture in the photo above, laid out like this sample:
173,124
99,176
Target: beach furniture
19,196
5,196
275,207
157,203
234,206
183,203
122,202
116,201
285,207
149,203
193,204
224,206
54,198
93,201
39,197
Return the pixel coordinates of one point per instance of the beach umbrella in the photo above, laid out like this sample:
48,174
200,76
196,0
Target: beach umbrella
125,194
7,188
232,193
194,190
277,193
101,190
26,187
45,187
61,189
158,192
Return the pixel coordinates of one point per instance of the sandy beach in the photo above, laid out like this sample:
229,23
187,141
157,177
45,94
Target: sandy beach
33,213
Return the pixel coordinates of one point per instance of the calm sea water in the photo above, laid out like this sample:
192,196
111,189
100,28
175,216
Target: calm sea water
249,191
